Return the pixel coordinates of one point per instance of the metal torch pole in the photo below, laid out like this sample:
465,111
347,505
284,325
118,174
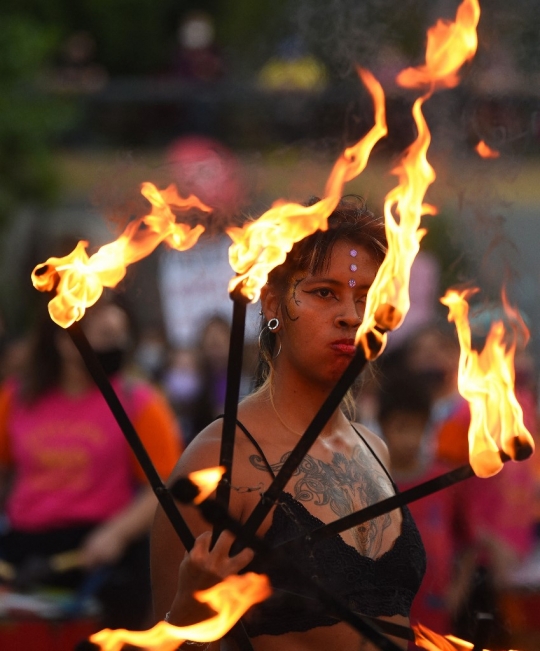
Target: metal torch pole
216,515
390,504
234,377
102,381
303,446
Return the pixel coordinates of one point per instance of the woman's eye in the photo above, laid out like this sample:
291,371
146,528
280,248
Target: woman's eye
323,292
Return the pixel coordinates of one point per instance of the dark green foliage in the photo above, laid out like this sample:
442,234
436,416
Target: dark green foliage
28,118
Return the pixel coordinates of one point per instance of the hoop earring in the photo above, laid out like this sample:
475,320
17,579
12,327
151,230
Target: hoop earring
272,326
279,349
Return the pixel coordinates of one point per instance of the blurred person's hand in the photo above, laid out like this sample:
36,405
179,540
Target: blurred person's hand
460,586
104,546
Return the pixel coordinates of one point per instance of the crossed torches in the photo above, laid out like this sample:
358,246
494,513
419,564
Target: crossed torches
262,245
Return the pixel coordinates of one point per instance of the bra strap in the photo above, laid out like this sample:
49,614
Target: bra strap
255,445
375,455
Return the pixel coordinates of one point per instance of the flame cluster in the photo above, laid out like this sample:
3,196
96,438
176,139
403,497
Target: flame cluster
486,381
230,599
260,246
450,45
431,641
79,279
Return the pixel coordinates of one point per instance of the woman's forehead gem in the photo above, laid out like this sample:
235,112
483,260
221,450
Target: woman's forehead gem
354,253
352,282
353,267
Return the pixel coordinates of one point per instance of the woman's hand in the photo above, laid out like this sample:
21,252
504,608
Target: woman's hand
200,569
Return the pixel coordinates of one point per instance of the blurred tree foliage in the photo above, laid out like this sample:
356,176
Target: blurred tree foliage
136,37
28,119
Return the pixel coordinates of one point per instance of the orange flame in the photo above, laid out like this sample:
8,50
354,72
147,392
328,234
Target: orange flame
449,46
428,639
230,599
206,481
79,279
262,245
486,381
485,151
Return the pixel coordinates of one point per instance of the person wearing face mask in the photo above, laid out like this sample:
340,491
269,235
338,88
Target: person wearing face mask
70,482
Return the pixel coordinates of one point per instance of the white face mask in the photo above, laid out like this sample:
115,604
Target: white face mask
196,34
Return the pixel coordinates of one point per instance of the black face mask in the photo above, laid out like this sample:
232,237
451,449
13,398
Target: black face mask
111,360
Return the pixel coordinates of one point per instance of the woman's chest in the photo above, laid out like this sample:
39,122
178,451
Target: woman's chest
329,483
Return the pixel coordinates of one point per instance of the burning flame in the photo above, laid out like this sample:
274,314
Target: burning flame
485,151
486,381
230,599
449,46
206,481
262,245
428,639
79,279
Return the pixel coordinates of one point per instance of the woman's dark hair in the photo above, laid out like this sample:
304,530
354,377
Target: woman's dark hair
43,366
350,221
42,372
407,392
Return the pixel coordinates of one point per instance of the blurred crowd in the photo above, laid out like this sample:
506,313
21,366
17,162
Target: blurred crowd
77,508
481,536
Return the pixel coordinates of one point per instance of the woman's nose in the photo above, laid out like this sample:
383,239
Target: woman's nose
349,316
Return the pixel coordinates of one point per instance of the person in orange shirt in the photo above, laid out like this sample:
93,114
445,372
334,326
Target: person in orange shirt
69,478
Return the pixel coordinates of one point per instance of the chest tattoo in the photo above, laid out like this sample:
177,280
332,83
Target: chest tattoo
345,484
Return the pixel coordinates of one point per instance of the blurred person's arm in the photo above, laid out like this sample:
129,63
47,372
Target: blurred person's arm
461,581
158,430
107,543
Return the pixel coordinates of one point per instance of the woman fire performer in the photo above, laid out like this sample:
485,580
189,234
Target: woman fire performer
312,306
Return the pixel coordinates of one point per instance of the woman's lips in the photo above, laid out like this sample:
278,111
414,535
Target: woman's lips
345,346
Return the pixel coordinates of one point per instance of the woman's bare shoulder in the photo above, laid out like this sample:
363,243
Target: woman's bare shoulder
376,443
204,450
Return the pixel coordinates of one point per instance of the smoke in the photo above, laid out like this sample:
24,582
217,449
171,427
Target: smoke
349,32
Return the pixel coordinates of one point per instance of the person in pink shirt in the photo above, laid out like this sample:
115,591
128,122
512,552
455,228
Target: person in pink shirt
70,480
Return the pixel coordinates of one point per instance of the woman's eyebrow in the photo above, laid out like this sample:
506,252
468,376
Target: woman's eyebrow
322,279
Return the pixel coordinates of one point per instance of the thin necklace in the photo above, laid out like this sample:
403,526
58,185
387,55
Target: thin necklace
271,392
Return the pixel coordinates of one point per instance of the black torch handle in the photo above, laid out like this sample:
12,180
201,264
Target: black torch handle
303,446
234,376
102,381
385,506
216,515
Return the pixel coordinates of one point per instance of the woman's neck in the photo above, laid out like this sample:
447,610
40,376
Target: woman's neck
295,405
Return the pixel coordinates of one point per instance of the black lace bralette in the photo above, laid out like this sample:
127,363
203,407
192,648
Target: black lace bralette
384,586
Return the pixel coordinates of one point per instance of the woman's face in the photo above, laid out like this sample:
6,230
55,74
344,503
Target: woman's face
320,315
107,328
